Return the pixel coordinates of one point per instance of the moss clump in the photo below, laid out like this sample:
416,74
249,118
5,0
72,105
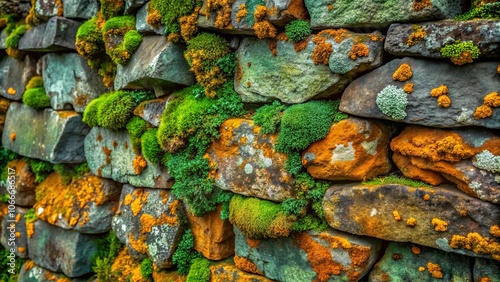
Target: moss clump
5,275
136,126
486,11
12,40
107,250
392,101
151,150
41,169
146,269
210,59
111,8
268,117
397,180
30,215
461,52
199,271
123,26
298,30
35,95
184,253
168,12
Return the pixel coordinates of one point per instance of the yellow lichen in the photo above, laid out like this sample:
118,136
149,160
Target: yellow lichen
408,88
435,270
396,215
444,101
403,73
416,36
189,25
358,50
411,222
476,243
492,100
421,269
439,225
495,230
12,136
223,9
139,164
138,244
483,111
242,13
11,91
439,91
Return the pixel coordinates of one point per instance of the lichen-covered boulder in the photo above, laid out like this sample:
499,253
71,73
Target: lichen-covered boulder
408,262
270,69
442,217
49,243
14,75
58,34
441,94
86,204
24,191
380,14
322,256
80,9
151,110
142,26
150,222
30,272
110,154
486,270
247,162
45,9
227,271
14,235
465,157
353,149
157,64
53,136
70,82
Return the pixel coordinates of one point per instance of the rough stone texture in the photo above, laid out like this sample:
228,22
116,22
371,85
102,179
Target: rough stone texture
445,219
379,14
437,155
3,37
30,272
131,6
151,110
50,243
15,74
150,223
142,26
56,137
484,33
46,9
58,34
213,237
70,82
88,203
156,64
247,163
24,185
327,256
13,232
110,155
486,268
80,9
227,271
401,262
293,77
353,149
467,86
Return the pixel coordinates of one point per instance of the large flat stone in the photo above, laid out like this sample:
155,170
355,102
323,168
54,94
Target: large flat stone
56,137
58,34
445,219
157,63
110,154
70,82
14,75
80,9
467,87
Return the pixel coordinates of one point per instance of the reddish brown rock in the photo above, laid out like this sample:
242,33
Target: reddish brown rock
25,183
354,149
213,237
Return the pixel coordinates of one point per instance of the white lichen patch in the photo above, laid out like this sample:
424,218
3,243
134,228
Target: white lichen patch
248,168
373,212
371,146
343,153
487,161
465,116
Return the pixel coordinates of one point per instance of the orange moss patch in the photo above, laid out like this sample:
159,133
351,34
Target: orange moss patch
189,24
411,222
495,230
435,270
138,244
426,197
403,73
148,221
264,29
439,91
444,101
139,164
321,54
173,207
483,111
153,18
223,9
419,5
396,215
12,137
484,279
408,88
11,91
477,243
246,265
416,250
242,13
272,45
358,50
20,249
492,100
416,36
128,268
260,13
439,225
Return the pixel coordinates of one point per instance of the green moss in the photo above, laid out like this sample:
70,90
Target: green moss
227,64
108,248
184,253
4,198
298,30
294,163
36,98
90,113
487,161
41,169
213,46
119,24
397,180
392,101
111,8
455,50
124,26
293,206
89,40
136,126
199,271
30,215
151,150
4,271
171,11
146,269
268,117
309,222
13,39
487,11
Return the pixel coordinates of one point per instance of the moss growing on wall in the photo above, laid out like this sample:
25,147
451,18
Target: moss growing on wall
35,95
298,30
151,149
111,8
184,253
107,250
136,126
268,117
169,13
486,11
124,27
12,41
199,271
461,52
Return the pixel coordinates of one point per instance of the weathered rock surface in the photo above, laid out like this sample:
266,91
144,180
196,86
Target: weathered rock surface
30,272
70,82
110,155
150,223
247,163
437,155
294,77
156,64
427,39
151,110
131,6
446,218
408,262
329,255
56,137
46,9
369,14
467,87
49,244
227,271
14,235
58,34
142,26
485,269
213,237
80,9
354,149
14,75
24,191
86,204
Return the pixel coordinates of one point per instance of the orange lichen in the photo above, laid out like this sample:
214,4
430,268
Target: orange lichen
421,269
107,152
18,217
30,229
242,13
148,221
18,234
439,225
492,100
189,25
330,7
396,215
426,197
411,222
223,9
264,29
495,230
403,73
498,68
321,54
254,243
416,36
300,45
483,111
140,198
139,164
12,136
444,101
408,88
272,45
28,265
476,243
358,50
20,249
11,91
484,279
246,265
464,58
419,5
138,244
439,91
125,268
435,270
260,13
416,250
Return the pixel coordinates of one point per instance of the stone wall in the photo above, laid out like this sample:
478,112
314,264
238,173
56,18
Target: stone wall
250,140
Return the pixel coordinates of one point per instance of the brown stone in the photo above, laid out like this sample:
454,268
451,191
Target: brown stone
213,237
25,182
226,271
354,149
